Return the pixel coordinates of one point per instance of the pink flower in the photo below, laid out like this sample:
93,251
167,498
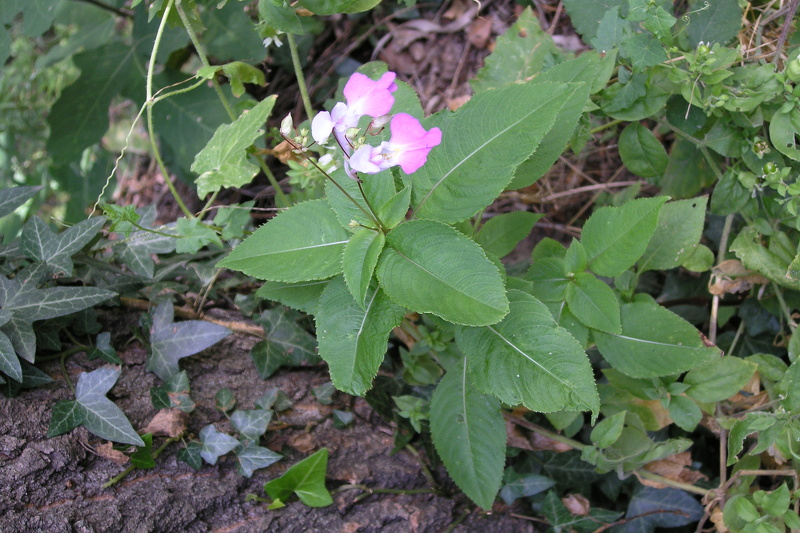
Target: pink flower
364,97
408,147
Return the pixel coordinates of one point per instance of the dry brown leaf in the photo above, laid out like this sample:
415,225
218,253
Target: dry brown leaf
457,8
107,451
283,152
731,276
479,32
716,518
168,423
674,467
541,443
660,413
576,504
302,442
458,101
515,438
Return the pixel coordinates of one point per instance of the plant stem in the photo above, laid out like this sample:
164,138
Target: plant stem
785,308
282,198
116,479
605,126
150,129
117,11
371,490
425,470
298,72
62,362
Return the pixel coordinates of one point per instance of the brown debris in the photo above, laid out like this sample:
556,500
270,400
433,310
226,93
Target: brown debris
107,451
675,467
168,423
731,276
576,504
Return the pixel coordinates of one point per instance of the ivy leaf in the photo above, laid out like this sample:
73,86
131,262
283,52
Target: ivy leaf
561,519
9,362
191,455
13,197
170,342
104,350
306,479
655,508
303,243
430,267
223,161
173,393
287,344
193,235
518,485
93,410
469,434
654,342
143,456
527,358
251,424
215,444
453,185
252,457
616,237
353,340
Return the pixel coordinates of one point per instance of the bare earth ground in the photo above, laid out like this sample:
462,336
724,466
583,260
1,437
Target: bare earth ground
54,485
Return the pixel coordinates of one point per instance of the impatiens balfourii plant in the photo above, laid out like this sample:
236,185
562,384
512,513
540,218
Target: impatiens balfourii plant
387,242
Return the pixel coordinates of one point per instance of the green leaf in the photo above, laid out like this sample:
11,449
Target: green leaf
496,129
9,362
238,73
13,197
40,304
561,519
586,69
654,342
684,412
688,170
527,358
641,152
586,14
104,350
303,296
224,400
353,339
37,15
215,444
608,430
519,485
430,267
191,455
378,188
610,31
332,7
287,344
644,51
279,16
469,434
593,303
77,122
306,479
393,212
784,129
173,393
223,162
143,456
752,423
303,243
713,22
251,424
501,233
231,33
252,457
719,379
747,247
359,260
93,410
170,342
194,235
519,54
549,277
680,226
616,237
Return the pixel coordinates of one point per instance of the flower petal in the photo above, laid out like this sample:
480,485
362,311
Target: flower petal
370,97
321,127
362,160
410,143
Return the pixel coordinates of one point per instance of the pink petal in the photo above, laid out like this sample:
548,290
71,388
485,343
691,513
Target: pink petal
362,160
410,143
370,97
321,127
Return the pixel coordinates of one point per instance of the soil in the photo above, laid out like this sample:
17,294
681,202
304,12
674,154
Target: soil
54,485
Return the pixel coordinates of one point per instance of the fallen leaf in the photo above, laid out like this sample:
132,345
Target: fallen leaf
675,467
541,443
731,276
107,451
479,32
168,423
576,504
302,442
716,517
515,437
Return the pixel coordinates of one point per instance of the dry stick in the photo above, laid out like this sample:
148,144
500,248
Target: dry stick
787,25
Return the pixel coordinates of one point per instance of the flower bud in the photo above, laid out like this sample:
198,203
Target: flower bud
287,124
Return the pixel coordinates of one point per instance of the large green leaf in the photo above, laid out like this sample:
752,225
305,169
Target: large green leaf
303,243
430,267
353,339
469,434
306,479
585,15
170,342
713,22
680,226
482,145
223,162
641,152
303,296
519,54
654,342
41,243
359,260
528,358
77,121
378,188
332,7
616,237
13,197
501,233
93,410
231,34
593,303
719,379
